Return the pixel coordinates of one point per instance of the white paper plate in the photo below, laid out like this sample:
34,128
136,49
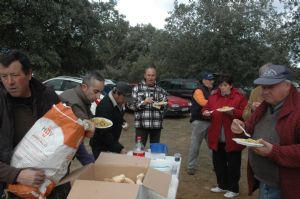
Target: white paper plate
225,109
106,121
160,103
245,143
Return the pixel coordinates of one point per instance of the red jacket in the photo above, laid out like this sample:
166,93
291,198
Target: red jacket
236,100
287,154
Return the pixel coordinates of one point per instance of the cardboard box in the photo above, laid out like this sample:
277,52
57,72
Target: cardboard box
89,182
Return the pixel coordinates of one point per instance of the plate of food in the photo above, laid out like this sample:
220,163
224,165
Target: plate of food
160,103
101,122
247,142
225,109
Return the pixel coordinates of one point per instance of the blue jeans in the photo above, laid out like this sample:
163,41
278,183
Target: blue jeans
268,192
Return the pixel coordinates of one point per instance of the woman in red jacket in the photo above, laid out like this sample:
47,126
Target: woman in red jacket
226,104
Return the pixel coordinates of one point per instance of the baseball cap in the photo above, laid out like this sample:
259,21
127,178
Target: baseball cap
208,76
274,74
123,87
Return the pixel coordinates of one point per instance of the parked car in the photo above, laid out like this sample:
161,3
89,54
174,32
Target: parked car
177,106
179,87
62,83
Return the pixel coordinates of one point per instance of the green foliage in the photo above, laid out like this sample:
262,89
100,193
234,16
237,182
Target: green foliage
69,37
233,37
65,37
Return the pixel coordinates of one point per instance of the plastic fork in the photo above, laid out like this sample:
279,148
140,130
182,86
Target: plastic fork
247,134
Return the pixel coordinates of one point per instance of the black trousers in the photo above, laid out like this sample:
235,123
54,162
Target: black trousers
154,135
227,167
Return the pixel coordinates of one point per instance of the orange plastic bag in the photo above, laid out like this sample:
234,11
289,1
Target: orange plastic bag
50,145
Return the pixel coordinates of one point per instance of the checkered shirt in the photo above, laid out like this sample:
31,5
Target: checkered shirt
147,116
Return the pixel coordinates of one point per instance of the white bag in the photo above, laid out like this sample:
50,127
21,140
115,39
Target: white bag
50,145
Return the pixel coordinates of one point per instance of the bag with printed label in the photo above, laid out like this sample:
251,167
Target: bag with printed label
49,145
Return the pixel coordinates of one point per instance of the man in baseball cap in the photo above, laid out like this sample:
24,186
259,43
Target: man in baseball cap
199,124
208,76
275,124
123,88
112,107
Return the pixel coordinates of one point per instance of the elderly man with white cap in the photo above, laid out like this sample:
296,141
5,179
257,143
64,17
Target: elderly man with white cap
275,167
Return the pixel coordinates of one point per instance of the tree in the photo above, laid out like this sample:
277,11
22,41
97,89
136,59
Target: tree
235,37
61,37
292,28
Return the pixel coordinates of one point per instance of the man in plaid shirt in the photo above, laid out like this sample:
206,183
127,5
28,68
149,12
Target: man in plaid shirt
148,114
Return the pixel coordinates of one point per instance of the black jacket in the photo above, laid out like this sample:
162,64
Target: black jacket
43,99
108,139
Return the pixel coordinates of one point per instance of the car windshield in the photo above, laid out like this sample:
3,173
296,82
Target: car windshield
191,85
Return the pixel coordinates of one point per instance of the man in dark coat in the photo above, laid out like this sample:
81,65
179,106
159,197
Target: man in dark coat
23,100
111,107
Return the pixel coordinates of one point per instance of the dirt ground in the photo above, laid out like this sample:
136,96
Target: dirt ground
176,134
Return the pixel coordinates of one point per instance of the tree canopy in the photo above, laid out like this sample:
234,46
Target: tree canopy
69,37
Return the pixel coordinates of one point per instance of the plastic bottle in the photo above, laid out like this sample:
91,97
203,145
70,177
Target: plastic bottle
176,164
139,149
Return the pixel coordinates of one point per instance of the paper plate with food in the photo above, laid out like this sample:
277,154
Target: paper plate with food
101,122
225,109
248,142
160,103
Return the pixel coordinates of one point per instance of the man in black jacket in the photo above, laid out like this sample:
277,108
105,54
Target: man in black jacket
111,107
23,100
199,124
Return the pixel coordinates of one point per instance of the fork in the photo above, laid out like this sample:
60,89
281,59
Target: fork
247,134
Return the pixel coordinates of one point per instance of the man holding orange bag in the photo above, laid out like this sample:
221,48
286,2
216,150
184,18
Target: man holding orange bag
23,100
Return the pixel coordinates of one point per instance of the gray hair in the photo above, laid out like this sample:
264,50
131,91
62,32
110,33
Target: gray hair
289,81
151,66
92,75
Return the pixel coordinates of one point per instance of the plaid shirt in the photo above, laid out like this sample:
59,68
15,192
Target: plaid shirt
147,116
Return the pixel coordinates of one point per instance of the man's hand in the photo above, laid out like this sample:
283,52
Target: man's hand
255,105
31,177
235,127
148,100
207,113
90,129
125,126
265,150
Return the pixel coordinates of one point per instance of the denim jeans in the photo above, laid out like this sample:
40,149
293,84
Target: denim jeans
268,192
199,132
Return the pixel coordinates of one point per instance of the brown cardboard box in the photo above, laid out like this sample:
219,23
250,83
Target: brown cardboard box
89,182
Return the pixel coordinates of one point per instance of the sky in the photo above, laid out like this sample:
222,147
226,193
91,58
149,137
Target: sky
150,11
146,11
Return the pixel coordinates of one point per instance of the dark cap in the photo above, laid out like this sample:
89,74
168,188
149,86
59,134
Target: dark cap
274,74
123,87
208,76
